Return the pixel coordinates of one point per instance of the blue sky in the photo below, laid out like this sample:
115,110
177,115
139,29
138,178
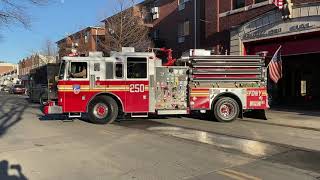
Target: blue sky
52,22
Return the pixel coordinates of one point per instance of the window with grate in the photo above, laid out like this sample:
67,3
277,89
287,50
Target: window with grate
259,1
184,29
238,4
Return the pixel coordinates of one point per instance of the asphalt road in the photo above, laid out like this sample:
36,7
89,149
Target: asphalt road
34,147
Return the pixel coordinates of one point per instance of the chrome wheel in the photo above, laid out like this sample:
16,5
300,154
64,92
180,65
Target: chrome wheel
226,109
100,110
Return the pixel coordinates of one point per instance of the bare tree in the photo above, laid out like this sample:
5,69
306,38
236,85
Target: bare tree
13,11
49,48
126,28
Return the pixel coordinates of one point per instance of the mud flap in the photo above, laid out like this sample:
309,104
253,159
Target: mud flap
256,114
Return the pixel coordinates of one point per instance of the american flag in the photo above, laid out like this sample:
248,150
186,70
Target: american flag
278,3
275,66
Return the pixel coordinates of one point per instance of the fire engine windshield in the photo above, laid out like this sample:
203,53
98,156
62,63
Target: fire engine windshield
62,70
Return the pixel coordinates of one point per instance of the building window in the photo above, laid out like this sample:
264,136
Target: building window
259,1
155,34
184,29
182,1
238,4
86,37
181,4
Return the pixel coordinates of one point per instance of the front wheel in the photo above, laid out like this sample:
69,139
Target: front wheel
103,110
226,110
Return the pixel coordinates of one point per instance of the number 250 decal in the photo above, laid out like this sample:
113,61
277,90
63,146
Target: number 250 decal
136,88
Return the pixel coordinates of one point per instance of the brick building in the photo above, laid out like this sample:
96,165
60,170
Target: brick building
129,27
8,73
82,42
251,26
7,67
177,24
31,62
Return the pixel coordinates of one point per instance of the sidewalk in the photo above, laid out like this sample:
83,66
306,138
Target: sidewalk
304,119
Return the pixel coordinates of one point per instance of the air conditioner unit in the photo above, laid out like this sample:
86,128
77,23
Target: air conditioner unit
181,6
181,39
155,10
155,16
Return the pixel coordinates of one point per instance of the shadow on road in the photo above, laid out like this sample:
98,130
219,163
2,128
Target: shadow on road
4,171
303,111
53,117
11,110
306,160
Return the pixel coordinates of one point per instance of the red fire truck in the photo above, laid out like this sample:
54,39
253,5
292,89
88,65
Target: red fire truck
137,84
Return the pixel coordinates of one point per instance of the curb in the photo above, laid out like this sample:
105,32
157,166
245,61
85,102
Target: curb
282,125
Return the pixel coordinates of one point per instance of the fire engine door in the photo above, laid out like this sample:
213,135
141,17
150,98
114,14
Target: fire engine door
77,87
137,97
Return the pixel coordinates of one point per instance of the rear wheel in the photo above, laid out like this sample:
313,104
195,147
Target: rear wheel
42,100
226,109
103,110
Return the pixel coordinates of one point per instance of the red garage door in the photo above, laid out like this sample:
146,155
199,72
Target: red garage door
291,45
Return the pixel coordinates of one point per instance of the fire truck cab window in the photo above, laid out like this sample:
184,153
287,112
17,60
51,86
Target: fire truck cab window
119,71
78,70
62,70
136,68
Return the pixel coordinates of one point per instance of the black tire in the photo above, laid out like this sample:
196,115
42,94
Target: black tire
110,107
226,110
42,100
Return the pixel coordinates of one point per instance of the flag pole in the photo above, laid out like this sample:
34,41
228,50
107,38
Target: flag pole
274,55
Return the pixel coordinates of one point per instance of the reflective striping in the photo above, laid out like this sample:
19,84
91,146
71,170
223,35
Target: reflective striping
199,95
98,88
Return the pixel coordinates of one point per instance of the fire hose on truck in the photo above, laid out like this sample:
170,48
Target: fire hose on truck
138,84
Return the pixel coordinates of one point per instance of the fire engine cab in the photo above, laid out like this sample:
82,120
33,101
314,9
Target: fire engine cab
136,83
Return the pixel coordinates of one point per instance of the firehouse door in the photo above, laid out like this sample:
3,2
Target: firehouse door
137,97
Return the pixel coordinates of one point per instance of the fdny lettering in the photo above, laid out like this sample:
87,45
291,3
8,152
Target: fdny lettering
257,103
254,93
136,88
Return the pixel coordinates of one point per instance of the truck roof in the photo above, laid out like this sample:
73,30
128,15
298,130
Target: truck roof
112,58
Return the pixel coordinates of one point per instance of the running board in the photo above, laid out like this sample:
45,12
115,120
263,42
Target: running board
172,112
74,115
141,115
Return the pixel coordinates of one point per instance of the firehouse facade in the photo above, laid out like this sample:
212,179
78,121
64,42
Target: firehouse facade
300,41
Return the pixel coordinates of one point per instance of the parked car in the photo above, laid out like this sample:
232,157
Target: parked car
18,89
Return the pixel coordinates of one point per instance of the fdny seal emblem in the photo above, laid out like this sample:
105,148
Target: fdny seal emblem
76,89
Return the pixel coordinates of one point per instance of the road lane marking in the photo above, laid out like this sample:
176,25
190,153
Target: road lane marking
230,175
240,174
